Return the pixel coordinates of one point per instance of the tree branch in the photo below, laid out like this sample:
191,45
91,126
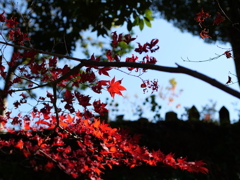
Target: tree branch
178,69
55,104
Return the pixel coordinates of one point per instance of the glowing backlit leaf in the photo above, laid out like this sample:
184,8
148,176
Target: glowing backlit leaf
115,87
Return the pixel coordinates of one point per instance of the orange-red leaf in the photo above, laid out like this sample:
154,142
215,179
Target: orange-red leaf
19,144
70,119
115,87
204,34
96,123
113,149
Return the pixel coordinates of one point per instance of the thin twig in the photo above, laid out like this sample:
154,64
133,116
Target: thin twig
223,11
55,82
55,103
65,44
233,24
211,59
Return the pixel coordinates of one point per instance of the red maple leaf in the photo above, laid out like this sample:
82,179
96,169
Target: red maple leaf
218,19
2,17
115,87
197,166
19,144
104,71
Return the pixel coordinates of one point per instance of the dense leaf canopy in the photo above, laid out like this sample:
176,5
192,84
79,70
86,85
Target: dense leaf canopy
56,25
181,13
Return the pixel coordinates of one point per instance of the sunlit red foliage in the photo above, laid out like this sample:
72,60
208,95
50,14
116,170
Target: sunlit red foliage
115,87
80,144
93,146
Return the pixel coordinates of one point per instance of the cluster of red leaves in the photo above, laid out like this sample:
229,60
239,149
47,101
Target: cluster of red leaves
200,18
119,38
116,39
150,84
113,87
148,47
81,144
87,147
15,34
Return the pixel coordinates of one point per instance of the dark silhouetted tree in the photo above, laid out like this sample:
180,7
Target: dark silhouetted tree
181,12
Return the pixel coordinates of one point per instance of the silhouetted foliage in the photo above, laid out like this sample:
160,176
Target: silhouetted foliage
181,12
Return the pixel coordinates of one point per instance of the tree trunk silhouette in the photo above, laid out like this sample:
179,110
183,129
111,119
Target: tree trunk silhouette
233,33
3,94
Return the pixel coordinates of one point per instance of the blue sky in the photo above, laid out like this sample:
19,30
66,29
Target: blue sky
175,45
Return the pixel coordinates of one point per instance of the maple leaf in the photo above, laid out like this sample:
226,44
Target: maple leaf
96,123
113,149
70,119
128,38
109,55
115,87
97,170
27,126
48,166
2,17
104,71
12,22
19,144
26,153
218,19
197,166
203,34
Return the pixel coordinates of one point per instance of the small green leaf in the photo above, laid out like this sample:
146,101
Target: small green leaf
148,12
149,17
147,22
123,45
136,21
141,24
